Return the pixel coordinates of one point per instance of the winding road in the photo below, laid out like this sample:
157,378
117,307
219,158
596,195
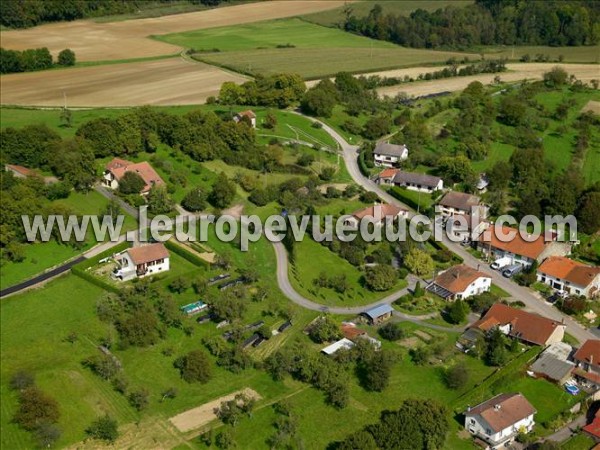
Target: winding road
533,302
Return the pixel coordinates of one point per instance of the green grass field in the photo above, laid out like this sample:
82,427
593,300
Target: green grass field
584,54
314,63
44,255
304,271
313,50
269,34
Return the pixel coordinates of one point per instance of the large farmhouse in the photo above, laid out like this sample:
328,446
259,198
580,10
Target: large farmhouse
412,181
454,203
518,324
572,277
117,168
518,249
587,363
377,214
460,282
499,420
137,262
389,155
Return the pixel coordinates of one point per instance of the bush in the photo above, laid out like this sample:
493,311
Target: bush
194,200
392,332
380,277
105,428
457,376
36,409
195,367
66,57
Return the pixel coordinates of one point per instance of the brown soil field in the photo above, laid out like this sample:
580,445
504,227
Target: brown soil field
173,81
93,41
197,417
516,72
592,106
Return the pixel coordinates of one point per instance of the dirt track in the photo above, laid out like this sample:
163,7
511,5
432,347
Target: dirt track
516,72
200,416
93,41
172,81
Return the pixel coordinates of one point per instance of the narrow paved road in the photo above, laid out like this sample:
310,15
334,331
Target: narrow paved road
533,302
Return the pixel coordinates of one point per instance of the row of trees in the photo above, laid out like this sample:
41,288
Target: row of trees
280,91
487,22
12,61
22,14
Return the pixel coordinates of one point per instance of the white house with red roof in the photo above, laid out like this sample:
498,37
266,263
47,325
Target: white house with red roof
572,277
497,421
520,248
376,214
117,168
460,282
141,261
587,363
518,324
248,115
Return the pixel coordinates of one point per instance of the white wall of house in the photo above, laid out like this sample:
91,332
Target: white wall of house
564,285
477,426
421,188
497,253
153,267
109,180
385,160
480,285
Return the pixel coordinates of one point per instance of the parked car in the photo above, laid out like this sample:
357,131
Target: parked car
501,263
512,270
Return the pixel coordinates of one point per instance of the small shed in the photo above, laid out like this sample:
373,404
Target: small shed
342,343
379,314
194,308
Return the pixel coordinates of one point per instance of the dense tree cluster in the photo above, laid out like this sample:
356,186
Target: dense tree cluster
12,61
416,424
280,91
487,22
22,14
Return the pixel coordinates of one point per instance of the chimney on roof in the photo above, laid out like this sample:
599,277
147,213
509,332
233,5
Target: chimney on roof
497,407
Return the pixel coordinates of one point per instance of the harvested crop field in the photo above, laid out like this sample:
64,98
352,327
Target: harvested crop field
592,106
200,416
93,41
172,81
516,72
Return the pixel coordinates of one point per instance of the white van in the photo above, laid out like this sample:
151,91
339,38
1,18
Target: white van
501,263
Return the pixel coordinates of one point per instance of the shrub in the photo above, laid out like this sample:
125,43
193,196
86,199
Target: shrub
105,428
194,367
392,332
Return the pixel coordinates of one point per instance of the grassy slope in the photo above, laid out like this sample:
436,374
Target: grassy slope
42,256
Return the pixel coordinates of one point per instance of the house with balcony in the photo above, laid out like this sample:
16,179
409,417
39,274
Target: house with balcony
496,422
141,261
389,155
569,276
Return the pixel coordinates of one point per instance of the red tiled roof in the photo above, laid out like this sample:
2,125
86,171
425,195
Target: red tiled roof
248,113
20,169
517,245
378,211
593,377
567,269
388,173
503,410
458,278
525,326
118,167
589,352
351,332
148,253
593,428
